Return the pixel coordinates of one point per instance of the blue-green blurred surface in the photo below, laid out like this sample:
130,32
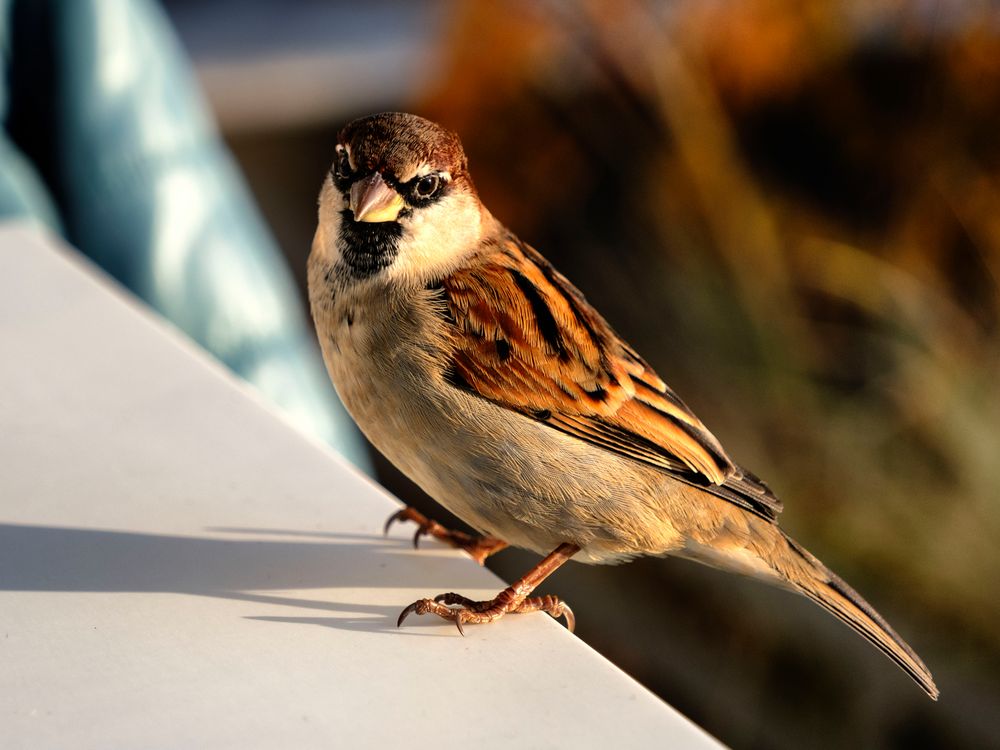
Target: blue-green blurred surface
110,143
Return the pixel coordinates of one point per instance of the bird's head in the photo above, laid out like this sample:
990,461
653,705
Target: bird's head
398,201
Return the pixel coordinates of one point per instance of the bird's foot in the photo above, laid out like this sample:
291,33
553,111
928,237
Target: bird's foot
460,609
478,547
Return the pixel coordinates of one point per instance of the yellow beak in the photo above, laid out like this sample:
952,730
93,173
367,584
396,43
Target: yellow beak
373,200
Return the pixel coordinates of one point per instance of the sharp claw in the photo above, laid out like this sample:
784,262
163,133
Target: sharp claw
570,617
406,613
392,519
458,623
416,537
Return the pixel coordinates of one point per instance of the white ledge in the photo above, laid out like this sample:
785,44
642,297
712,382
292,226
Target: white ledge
180,568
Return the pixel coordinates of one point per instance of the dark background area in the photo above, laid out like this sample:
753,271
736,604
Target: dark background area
793,211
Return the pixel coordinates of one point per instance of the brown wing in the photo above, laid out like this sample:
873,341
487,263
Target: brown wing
527,340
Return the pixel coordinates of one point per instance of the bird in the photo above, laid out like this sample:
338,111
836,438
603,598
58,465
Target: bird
486,377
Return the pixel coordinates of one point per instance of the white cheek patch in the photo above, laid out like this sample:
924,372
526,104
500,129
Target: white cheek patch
331,203
436,238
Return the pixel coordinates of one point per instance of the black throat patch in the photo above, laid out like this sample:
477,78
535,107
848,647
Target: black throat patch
367,247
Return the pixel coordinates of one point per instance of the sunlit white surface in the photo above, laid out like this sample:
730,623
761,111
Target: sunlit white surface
180,568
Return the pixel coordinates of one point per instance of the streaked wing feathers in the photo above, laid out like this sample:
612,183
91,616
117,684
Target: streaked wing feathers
526,339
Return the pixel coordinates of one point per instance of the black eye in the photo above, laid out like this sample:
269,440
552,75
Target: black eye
342,166
427,186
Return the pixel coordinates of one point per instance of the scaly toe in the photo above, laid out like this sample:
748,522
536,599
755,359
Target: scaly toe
436,607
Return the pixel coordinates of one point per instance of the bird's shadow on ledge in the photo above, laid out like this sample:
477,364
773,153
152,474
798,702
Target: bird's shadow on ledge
251,566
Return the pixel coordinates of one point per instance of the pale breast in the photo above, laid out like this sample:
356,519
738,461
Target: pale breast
505,474
379,348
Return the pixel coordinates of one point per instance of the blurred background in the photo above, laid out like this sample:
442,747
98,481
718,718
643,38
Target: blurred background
792,209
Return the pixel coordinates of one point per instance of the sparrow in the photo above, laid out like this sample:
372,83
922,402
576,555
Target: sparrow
485,376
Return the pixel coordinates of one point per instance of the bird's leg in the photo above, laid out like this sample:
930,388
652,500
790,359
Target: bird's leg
514,599
478,547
